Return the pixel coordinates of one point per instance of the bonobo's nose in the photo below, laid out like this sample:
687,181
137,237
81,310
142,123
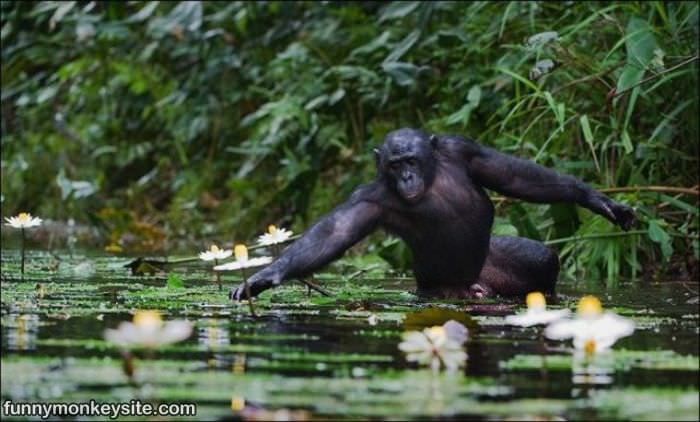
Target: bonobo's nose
407,177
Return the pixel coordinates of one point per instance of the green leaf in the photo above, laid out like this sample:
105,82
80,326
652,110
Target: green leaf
462,115
77,188
555,109
175,281
381,41
474,95
61,11
145,12
396,253
691,209
502,227
398,9
566,220
403,47
316,102
338,95
404,74
46,94
627,142
514,75
585,125
659,235
588,136
522,220
640,45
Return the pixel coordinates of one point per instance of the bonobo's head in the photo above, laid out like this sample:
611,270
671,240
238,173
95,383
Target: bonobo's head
406,162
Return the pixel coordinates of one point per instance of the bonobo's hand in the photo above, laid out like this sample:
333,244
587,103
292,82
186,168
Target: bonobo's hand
258,283
622,215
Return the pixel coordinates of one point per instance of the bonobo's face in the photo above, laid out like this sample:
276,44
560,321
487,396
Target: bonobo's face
406,160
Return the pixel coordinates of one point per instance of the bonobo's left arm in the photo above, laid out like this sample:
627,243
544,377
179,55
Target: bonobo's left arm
323,242
526,180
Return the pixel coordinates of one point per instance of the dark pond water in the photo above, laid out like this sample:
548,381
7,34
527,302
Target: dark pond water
307,356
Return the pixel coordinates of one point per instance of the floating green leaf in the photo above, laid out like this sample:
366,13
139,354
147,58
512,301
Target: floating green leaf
175,281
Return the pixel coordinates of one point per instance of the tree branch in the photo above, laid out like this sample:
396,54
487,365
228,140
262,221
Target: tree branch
652,77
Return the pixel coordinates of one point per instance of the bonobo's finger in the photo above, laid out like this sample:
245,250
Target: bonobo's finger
625,216
235,293
609,213
605,208
240,293
601,204
478,291
617,213
256,284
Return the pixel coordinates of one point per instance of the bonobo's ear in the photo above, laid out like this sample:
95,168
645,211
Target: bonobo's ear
377,156
433,141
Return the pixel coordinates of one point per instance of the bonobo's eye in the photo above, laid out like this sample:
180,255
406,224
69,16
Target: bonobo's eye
395,165
411,162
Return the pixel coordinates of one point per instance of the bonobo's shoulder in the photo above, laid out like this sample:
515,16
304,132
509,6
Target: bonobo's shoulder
457,145
374,195
369,192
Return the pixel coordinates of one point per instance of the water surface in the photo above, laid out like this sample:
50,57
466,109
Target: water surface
320,357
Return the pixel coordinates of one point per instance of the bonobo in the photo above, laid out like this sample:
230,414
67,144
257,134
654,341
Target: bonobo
429,191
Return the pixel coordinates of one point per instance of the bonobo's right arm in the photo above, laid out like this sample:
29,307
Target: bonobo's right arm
325,241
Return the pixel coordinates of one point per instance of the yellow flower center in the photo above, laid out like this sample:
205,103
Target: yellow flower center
589,347
536,300
271,229
147,318
24,217
241,252
589,306
237,403
214,248
437,332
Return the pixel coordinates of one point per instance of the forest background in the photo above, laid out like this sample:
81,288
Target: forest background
163,126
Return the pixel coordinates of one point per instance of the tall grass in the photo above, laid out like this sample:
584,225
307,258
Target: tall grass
213,119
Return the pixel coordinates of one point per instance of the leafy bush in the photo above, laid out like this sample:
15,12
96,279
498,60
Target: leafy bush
213,119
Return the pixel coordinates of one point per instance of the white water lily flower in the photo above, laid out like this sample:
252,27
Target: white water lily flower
593,331
23,220
215,253
436,346
274,236
148,330
242,260
536,313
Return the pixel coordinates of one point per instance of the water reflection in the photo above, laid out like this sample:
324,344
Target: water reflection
591,372
22,331
213,334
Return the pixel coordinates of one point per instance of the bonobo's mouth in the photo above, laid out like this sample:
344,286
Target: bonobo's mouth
412,192
411,196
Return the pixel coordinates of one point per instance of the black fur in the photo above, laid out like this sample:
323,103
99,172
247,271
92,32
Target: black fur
429,191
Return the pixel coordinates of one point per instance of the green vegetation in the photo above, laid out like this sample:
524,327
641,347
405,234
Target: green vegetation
620,360
164,122
156,129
